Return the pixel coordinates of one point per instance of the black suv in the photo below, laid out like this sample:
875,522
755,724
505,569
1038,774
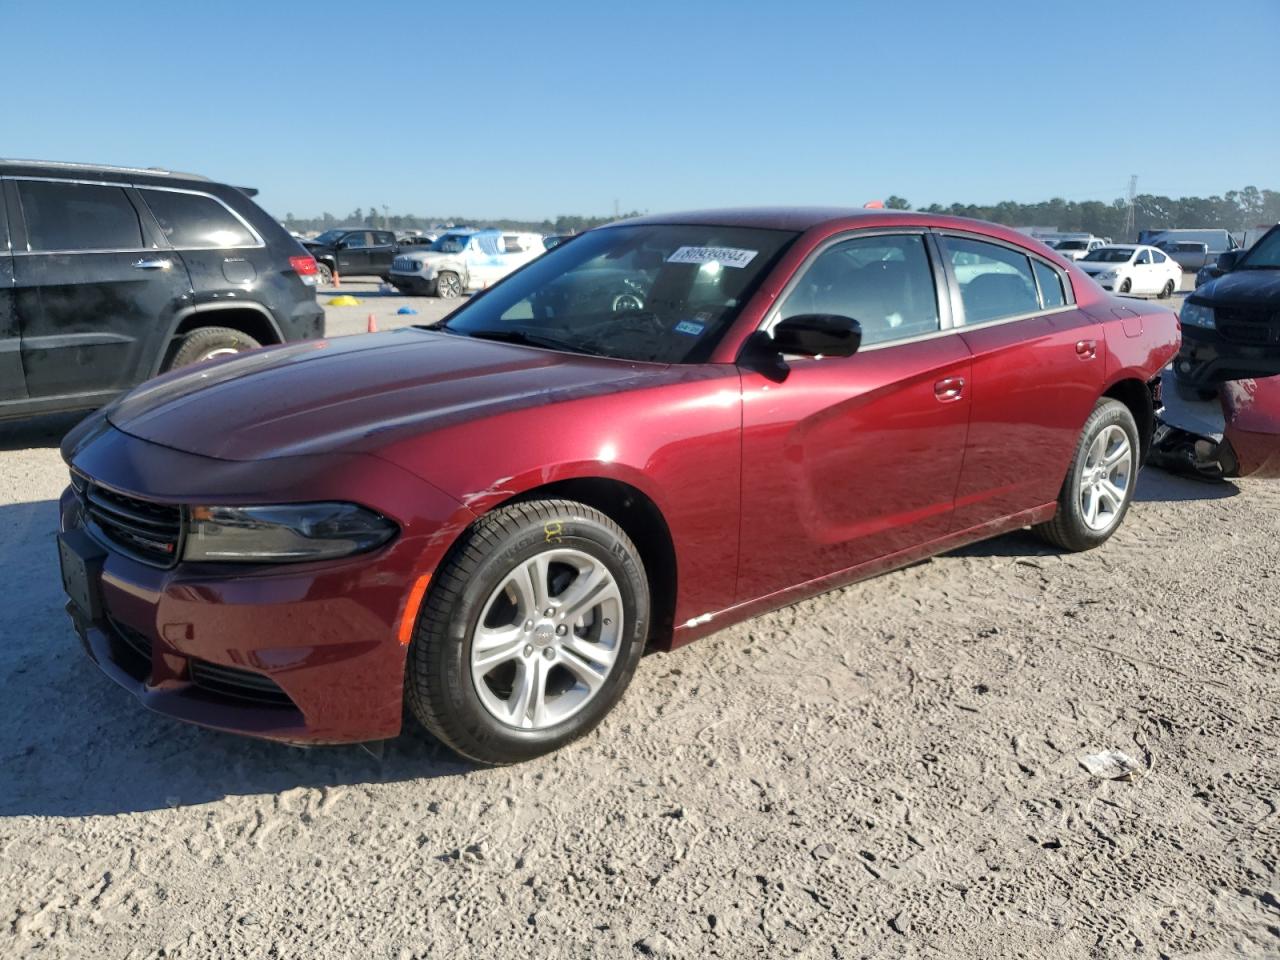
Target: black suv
1231,325
110,275
353,252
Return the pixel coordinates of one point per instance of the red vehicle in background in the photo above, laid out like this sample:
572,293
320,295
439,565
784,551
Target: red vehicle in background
663,427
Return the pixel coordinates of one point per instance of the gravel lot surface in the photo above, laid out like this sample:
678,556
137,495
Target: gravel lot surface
891,770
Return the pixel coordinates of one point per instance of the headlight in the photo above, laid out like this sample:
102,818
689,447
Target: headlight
283,534
1107,275
1198,315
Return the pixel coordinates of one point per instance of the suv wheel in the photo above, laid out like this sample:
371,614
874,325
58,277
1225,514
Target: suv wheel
448,285
326,273
209,343
531,631
1100,483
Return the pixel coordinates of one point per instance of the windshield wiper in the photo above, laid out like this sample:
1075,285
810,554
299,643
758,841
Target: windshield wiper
522,338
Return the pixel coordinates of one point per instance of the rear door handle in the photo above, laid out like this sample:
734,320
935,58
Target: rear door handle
145,264
952,388
1086,349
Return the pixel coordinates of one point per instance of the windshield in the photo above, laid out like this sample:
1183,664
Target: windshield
659,293
1110,255
451,243
1263,255
329,236
1071,245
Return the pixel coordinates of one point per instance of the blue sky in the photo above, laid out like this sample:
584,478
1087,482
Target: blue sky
536,109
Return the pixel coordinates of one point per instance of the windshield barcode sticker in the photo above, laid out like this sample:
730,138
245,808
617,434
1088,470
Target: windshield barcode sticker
725,256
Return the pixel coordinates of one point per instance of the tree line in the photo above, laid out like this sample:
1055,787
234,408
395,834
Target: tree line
383,220
1236,210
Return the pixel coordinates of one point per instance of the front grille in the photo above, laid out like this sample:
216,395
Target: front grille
1249,324
241,684
404,265
145,530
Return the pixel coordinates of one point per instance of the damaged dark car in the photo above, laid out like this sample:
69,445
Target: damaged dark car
1231,325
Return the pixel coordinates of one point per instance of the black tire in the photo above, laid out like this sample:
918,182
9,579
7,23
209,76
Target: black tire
1126,286
208,343
438,681
1068,529
448,285
1167,290
325,272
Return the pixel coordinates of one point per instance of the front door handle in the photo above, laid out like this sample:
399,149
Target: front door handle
145,264
952,388
1086,349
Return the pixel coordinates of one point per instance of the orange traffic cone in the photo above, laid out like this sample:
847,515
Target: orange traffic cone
373,324
337,280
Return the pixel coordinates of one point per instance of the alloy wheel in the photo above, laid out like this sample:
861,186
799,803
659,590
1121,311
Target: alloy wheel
448,286
547,639
1105,477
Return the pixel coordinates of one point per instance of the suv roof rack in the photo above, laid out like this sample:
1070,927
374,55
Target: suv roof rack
105,167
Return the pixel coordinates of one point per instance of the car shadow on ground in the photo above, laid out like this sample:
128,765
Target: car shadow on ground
72,743
1154,486
33,432
1158,486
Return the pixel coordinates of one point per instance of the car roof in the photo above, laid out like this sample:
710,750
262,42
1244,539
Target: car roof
64,168
801,219
769,218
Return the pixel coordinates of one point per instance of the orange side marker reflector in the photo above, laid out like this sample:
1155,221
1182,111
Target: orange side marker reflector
410,618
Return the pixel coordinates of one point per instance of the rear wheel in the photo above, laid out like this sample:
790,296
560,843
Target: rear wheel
530,633
1099,486
210,343
448,285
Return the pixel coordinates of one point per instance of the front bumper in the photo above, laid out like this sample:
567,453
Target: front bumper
412,282
302,653
1207,357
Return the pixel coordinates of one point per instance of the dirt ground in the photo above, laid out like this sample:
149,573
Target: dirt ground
890,770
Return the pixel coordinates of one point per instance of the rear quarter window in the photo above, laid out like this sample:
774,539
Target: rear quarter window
192,220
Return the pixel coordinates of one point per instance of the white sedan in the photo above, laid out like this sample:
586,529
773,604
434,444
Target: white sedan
1134,269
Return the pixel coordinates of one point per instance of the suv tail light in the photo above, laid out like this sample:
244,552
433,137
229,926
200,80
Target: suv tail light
306,268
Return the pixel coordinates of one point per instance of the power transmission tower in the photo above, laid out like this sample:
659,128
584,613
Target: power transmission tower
1129,225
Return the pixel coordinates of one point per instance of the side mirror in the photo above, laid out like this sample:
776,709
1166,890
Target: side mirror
818,335
1227,261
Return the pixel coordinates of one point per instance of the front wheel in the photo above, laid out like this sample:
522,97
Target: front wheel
1099,486
448,285
531,631
1126,285
1167,290
325,273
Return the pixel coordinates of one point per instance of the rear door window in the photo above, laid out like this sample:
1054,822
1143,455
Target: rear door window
190,220
995,281
78,216
883,282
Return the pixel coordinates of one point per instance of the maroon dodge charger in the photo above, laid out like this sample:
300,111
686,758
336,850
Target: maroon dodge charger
654,430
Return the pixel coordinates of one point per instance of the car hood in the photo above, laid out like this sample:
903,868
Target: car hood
429,256
1242,286
356,393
